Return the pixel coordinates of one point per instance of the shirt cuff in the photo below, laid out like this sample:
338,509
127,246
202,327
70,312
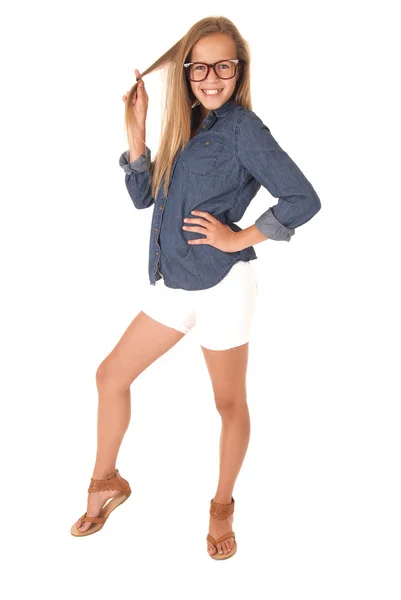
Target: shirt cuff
272,228
140,165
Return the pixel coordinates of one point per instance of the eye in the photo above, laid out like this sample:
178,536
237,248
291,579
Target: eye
199,67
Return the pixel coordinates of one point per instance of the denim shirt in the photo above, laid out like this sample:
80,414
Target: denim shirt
219,171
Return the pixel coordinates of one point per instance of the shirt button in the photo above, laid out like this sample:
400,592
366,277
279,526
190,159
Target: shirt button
157,253
203,126
212,114
157,229
161,208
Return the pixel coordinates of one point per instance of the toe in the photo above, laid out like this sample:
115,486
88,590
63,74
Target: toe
211,550
84,527
219,548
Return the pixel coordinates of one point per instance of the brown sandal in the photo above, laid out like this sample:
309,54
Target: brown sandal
114,482
221,511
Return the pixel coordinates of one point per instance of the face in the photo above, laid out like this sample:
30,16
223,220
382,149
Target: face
211,49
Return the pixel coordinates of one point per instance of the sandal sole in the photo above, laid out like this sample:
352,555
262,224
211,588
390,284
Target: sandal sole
214,542
105,513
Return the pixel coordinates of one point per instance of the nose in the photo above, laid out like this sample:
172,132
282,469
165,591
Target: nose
211,76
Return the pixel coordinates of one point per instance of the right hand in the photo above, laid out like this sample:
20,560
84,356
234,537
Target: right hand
140,101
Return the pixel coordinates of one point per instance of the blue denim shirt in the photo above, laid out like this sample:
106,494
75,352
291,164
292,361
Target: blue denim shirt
219,171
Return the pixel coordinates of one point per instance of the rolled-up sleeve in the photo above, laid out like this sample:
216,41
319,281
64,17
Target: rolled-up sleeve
138,178
260,154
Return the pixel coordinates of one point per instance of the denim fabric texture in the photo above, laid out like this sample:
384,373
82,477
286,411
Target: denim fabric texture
219,171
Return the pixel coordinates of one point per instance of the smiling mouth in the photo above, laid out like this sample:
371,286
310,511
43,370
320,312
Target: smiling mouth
213,92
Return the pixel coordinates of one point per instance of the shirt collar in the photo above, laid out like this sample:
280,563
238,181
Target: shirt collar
223,110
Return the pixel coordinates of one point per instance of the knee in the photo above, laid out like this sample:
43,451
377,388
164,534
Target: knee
103,373
230,405
107,375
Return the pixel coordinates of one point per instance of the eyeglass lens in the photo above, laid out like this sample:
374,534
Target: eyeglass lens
224,69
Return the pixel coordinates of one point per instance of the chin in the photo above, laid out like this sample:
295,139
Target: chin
215,100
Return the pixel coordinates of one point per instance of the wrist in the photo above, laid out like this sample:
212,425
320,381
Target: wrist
137,137
247,237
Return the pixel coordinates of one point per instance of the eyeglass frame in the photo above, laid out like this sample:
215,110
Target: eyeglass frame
236,61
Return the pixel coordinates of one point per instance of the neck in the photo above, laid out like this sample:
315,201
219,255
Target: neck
204,110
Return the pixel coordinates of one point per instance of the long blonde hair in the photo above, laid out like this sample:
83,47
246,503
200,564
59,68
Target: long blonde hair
181,111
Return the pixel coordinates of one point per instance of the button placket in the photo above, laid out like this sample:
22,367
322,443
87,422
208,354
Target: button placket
160,216
156,242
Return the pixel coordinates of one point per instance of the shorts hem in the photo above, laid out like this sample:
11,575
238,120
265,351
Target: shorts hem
181,328
233,343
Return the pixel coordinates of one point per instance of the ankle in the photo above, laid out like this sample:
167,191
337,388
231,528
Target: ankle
222,499
102,473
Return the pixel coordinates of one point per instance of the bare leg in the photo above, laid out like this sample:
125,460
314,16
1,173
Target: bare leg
227,369
144,341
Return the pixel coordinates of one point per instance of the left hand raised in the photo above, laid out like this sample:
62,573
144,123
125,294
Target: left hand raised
217,234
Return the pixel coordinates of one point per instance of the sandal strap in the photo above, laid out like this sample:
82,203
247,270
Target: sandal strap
223,537
114,482
221,511
91,519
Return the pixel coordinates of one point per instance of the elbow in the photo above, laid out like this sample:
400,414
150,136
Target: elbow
141,195
311,207
301,209
144,202
315,204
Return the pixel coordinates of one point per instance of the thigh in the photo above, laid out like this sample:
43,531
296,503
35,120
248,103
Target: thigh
227,370
224,313
143,342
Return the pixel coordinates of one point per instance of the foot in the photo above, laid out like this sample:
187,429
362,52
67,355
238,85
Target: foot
96,501
218,527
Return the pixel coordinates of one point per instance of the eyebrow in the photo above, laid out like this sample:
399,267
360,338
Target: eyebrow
206,63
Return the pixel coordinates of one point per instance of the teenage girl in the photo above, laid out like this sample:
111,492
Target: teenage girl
214,155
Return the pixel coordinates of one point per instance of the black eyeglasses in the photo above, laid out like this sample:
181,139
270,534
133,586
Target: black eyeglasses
224,69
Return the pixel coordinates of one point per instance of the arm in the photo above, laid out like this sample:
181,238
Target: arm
259,153
248,237
138,178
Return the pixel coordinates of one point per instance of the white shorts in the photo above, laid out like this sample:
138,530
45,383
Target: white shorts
221,316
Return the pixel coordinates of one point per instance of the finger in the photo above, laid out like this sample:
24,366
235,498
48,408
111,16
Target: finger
199,221
204,215
193,229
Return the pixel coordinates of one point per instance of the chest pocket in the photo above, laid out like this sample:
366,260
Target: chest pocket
202,157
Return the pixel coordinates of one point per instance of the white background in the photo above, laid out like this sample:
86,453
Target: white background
318,497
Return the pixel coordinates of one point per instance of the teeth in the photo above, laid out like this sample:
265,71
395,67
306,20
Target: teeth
211,91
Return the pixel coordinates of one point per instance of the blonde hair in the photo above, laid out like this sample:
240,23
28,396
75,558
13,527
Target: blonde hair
181,111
